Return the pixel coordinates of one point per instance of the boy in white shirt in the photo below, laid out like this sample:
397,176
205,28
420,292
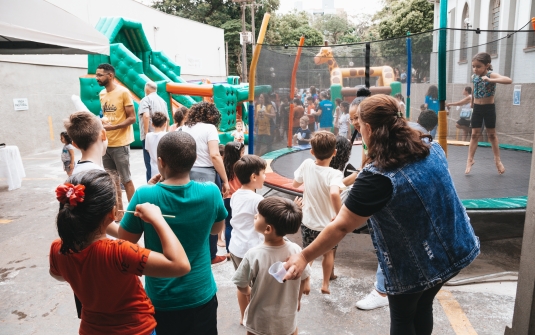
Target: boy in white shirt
343,121
250,171
321,197
273,306
159,123
238,134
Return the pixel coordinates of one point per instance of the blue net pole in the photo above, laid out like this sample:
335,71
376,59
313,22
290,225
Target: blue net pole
409,76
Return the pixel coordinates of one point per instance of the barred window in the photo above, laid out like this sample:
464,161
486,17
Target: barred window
494,24
464,36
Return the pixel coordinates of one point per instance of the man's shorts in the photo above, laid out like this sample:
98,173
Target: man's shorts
310,235
118,159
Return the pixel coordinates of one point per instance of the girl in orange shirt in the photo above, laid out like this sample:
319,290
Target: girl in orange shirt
104,273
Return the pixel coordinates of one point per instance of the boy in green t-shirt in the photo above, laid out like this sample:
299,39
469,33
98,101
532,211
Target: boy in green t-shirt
188,302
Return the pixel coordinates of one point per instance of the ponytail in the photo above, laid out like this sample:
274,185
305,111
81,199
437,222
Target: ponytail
77,224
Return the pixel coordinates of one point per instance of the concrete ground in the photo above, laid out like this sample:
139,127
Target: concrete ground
31,302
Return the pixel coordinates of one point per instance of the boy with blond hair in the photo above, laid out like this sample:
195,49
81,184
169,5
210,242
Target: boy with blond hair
321,197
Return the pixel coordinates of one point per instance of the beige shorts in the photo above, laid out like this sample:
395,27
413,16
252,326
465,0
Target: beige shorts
118,159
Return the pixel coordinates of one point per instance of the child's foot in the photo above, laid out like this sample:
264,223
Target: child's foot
469,164
306,288
500,167
325,290
333,276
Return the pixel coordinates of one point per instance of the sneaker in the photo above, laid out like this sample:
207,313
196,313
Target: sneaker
218,260
372,301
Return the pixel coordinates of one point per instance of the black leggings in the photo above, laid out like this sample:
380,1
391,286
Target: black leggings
412,314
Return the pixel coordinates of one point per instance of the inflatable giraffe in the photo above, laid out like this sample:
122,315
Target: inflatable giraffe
385,73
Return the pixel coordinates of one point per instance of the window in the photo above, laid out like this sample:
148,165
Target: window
494,24
531,35
464,36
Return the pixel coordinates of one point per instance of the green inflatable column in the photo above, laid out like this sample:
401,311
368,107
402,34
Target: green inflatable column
226,99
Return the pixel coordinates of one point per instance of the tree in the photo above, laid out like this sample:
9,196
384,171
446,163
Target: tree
287,29
333,26
221,14
394,21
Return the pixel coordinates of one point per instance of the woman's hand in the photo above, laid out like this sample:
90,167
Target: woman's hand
149,213
295,265
225,188
299,202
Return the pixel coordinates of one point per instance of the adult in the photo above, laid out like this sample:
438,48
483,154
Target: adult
325,113
418,225
118,118
465,103
202,122
299,111
150,104
264,116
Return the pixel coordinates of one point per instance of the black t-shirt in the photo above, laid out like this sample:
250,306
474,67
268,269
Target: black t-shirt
369,194
305,134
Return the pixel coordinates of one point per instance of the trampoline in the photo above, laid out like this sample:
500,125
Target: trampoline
482,189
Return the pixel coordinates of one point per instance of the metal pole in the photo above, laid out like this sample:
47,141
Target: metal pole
409,76
253,10
226,56
243,46
442,116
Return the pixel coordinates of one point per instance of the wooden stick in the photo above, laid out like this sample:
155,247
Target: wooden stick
165,216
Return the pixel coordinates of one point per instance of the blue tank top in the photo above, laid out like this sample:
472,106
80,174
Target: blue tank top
483,89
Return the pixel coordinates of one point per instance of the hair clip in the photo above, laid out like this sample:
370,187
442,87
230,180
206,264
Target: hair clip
70,194
239,146
400,114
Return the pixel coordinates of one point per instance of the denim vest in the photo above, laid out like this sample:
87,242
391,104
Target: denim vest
423,235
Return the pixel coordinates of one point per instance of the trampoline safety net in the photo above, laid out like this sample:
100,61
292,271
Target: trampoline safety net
407,67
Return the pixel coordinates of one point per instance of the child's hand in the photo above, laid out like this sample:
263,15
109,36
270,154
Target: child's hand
148,212
485,78
299,202
155,179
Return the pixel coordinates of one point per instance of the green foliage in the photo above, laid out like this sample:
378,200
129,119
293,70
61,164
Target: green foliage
333,26
222,14
288,29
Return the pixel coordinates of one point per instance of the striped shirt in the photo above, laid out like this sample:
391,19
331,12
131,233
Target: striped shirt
150,104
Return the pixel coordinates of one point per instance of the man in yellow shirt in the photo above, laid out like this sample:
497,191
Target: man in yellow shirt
118,117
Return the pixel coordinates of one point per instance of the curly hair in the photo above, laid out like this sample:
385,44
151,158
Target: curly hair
343,151
392,143
204,112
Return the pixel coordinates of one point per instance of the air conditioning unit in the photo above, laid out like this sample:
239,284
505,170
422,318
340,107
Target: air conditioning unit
246,38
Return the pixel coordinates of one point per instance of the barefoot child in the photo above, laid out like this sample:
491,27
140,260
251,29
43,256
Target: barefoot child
67,154
104,273
321,198
484,81
273,306
303,134
250,172
238,134
343,120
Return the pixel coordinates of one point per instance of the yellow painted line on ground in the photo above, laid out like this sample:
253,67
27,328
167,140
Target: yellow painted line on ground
51,126
4,221
458,320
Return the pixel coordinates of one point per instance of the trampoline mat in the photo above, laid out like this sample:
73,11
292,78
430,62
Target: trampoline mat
483,181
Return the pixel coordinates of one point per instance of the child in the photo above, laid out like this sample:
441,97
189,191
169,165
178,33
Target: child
343,121
88,135
199,211
311,106
273,306
102,272
303,134
178,117
401,100
321,198
337,114
484,112
159,123
239,135
233,152
67,154
299,112
250,171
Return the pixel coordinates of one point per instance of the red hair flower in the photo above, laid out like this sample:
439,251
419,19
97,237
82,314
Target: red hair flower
70,194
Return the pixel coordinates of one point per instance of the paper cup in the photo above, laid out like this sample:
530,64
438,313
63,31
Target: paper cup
278,271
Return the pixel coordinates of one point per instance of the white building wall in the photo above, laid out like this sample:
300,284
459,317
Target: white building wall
522,62
198,48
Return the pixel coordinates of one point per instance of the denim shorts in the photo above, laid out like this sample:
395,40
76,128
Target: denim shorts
118,159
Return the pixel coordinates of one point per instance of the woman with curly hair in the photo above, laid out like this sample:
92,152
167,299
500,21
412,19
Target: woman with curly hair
418,225
202,122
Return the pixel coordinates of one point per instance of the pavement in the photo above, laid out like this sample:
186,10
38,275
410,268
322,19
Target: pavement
32,302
